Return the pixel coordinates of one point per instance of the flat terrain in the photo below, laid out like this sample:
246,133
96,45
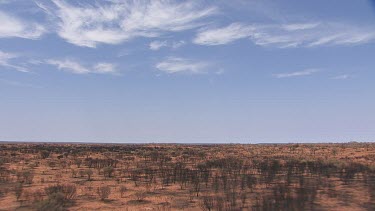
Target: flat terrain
187,177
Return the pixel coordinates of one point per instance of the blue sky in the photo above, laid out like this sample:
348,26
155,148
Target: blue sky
187,71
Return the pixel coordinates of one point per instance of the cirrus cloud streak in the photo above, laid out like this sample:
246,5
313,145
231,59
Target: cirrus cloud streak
173,65
288,35
297,73
75,67
113,23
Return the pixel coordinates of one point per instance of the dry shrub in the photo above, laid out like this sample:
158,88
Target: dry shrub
68,191
18,189
207,203
123,189
55,202
104,192
140,195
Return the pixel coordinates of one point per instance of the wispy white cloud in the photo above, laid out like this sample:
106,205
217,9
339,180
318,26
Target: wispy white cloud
289,35
177,44
299,26
181,65
118,21
225,35
342,77
12,26
104,67
69,65
77,68
157,44
5,61
296,74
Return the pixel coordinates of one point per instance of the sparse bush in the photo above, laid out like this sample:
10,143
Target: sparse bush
44,154
123,189
89,173
207,203
18,189
78,162
55,202
68,191
104,192
37,196
74,173
108,171
82,172
140,195
28,177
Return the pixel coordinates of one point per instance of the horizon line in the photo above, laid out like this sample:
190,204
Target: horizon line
180,143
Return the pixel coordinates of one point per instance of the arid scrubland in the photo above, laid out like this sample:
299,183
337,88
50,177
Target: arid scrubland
187,177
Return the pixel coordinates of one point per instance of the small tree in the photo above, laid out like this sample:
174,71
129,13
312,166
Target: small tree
104,192
123,189
89,173
108,171
74,173
135,177
207,203
219,203
82,172
37,196
18,189
28,177
243,199
78,162
140,195
44,154
68,191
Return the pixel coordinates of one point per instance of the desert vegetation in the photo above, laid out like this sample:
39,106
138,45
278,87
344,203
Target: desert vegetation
187,177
